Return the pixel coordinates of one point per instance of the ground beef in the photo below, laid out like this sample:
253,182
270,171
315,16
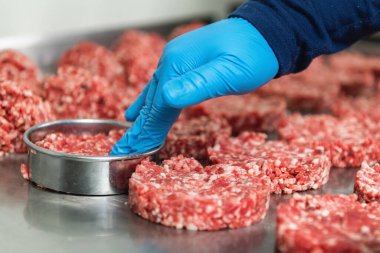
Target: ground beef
354,61
316,88
377,85
356,72
311,91
182,29
14,66
316,73
363,108
347,141
356,83
87,144
123,97
20,109
367,183
24,171
300,95
76,93
102,62
329,223
95,58
139,53
243,113
290,167
183,194
192,137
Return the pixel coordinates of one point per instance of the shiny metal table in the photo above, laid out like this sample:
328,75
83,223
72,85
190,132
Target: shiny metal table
35,220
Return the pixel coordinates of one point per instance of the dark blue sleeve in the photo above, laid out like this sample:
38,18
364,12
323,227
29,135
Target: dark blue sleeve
300,30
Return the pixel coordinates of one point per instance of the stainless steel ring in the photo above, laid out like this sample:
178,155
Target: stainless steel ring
78,174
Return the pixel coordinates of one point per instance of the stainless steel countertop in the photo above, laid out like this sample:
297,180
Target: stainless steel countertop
37,220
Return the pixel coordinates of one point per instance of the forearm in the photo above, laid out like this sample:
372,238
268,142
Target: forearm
300,30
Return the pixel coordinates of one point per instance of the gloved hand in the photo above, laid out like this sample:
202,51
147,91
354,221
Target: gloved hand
228,57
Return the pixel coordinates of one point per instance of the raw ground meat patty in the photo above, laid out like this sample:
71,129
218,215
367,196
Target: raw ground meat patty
14,66
311,91
191,138
76,93
20,109
183,194
347,141
243,113
367,183
328,223
316,88
95,58
139,53
355,72
182,29
86,144
363,107
103,63
90,144
359,74
290,167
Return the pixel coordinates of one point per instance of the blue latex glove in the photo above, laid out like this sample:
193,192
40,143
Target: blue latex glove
228,57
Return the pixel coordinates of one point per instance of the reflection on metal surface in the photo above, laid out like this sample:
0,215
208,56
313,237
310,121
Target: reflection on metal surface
74,215
341,181
13,188
34,214
172,240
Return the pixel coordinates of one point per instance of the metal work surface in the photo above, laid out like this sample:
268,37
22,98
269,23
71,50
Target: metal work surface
37,220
